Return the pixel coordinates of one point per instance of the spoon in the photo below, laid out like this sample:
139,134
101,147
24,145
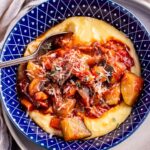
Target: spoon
43,48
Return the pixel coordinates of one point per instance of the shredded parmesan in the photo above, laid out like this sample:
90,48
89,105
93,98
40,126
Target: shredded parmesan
99,88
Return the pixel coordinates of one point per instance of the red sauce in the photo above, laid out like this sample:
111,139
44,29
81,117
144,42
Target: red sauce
75,78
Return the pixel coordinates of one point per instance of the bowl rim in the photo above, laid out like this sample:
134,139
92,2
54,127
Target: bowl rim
1,92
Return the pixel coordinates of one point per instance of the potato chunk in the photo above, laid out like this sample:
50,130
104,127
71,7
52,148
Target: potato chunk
34,70
55,123
112,97
74,129
66,107
40,96
27,104
34,86
131,86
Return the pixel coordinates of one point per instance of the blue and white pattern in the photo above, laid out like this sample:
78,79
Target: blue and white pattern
43,17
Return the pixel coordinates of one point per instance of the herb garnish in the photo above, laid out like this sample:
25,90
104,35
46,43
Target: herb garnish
114,119
78,84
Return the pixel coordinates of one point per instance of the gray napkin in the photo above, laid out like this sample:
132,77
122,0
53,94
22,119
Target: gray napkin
10,12
5,138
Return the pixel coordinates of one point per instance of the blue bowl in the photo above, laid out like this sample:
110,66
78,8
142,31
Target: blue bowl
43,17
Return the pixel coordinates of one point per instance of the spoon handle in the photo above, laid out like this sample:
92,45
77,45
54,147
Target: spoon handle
16,61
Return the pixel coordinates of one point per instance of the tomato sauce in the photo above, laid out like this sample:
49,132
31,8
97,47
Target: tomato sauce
74,78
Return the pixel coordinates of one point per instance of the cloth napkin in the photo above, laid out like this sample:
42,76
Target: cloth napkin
10,12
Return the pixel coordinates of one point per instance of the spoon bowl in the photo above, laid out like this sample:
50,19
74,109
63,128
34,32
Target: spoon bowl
46,45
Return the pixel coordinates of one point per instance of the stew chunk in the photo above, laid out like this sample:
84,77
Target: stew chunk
74,128
131,86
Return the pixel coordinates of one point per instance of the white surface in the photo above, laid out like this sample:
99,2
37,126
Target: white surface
140,140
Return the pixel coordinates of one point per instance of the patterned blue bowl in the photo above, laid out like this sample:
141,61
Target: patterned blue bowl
43,17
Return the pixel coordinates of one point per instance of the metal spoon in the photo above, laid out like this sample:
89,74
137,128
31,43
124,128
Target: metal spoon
42,49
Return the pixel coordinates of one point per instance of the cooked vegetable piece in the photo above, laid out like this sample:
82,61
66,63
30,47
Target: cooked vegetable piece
74,129
69,90
43,120
100,73
116,76
112,96
34,70
131,86
55,123
35,86
66,107
48,110
42,104
84,93
28,105
40,96
93,60
46,60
